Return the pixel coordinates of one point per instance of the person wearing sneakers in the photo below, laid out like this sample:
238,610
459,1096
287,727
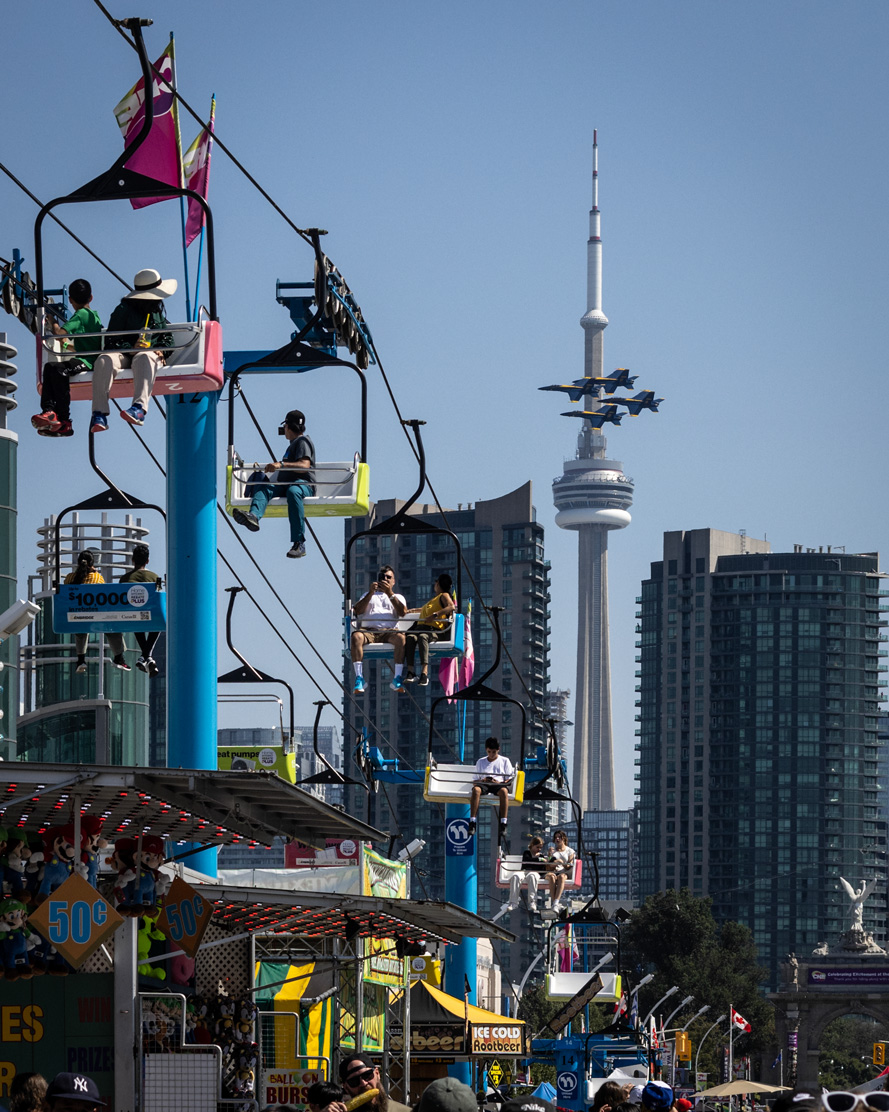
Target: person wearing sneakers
85,572
140,346
494,774
376,615
85,326
434,625
533,867
560,867
295,480
146,641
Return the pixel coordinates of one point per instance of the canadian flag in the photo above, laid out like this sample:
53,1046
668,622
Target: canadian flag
739,1021
620,1008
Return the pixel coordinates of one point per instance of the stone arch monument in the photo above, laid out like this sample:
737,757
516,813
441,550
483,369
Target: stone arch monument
851,977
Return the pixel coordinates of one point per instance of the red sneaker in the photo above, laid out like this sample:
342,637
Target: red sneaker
45,420
65,429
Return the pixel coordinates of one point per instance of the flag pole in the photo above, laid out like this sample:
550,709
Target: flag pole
181,199
197,281
731,1036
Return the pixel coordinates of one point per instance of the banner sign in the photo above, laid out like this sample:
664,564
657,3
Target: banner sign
429,1040
75,919
501,1039
846,976
575,1004
109,608
286,1087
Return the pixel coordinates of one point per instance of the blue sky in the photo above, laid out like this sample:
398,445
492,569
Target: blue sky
447,149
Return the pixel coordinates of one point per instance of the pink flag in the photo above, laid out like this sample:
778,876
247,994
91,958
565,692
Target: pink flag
159,157
196,171
448,674
467,664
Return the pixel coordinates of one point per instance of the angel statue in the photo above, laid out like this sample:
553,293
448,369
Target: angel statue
855,912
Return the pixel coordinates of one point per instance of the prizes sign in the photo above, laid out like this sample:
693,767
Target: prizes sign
75,919
185,917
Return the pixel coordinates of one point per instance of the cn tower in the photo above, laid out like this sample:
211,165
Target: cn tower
592,497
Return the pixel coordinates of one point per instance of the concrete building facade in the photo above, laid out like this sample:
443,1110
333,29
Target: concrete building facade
759,688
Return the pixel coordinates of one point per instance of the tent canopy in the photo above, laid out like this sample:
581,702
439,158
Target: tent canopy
740,1089
431,1005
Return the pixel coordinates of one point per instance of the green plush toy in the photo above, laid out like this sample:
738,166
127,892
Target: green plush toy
148,932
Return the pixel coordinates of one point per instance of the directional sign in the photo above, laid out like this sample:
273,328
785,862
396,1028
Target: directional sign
185,917
75,919
458,841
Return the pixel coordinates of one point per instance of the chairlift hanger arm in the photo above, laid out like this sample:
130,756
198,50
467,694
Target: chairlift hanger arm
253,675
403,523
120,183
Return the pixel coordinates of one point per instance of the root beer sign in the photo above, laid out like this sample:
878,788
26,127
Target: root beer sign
501,1039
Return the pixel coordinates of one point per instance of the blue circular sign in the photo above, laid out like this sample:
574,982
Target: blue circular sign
567,1085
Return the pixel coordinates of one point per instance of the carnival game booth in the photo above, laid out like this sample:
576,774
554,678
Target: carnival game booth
444,1029
157,1002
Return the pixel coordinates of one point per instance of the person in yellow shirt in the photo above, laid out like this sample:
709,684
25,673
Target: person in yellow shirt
86,572
434,625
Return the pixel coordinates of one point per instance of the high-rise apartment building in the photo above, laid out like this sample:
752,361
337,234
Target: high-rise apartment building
502,546
610,838
759,687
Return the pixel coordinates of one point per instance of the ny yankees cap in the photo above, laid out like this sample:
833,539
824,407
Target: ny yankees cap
74,1086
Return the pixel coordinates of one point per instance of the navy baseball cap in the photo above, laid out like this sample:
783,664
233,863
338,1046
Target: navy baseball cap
74,1086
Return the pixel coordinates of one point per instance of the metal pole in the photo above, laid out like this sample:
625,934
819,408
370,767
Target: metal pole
125,1016
666,996
461,960
191,595
721,1019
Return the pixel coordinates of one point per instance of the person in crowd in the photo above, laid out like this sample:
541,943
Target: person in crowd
73,1092
608,1097
326,1096
85,326
657,1096
447,1094
142,346
494,774
295,481
560,867
528,1103
27,1092
533,867
434,624
145,641
86,572
376,615
359,1074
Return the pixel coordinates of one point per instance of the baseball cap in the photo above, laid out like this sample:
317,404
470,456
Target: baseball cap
657,1096
447,1094
684,1105
74,1086
347,1064
528,1104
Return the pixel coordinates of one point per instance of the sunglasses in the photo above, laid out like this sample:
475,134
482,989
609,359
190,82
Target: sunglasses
845,1102
354,1078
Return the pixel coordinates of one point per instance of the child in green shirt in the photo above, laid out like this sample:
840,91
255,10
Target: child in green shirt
55,396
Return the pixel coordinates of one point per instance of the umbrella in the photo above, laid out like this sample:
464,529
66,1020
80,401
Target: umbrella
741,1088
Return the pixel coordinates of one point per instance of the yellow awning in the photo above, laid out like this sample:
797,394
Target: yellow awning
458,1008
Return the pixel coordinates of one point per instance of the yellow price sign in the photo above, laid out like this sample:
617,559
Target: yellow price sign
75,919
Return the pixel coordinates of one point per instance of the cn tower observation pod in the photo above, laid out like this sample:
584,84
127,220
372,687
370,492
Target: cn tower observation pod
592,492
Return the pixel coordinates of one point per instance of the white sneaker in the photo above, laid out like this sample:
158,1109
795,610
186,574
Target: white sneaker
511,906
532,906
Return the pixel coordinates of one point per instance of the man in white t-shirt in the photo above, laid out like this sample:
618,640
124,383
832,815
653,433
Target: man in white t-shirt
376,615
494,776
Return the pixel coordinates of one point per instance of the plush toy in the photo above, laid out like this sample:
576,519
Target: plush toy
58,855
153,884
16,939
91,842
34,868
147,933
182,970
126,887
13,865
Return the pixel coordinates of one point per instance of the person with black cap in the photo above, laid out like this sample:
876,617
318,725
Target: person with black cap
359,1074
295,480
139,319
85,325
528,1103
146,641
73,1092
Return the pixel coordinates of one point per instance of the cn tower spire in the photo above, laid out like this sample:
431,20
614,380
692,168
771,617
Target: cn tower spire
591,442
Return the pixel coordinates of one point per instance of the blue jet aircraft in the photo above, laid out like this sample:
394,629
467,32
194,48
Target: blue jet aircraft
597,417
645,399
581,386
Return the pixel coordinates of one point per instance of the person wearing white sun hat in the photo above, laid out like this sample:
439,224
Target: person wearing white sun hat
139,318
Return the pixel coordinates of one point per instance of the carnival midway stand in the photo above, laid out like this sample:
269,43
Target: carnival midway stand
195,1038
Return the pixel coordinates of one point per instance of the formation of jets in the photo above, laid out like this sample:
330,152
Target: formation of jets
607,411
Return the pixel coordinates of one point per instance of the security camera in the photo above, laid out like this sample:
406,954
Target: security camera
411,850
18,617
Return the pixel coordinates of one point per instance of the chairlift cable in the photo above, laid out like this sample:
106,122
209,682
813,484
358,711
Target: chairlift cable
64,227
217,142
